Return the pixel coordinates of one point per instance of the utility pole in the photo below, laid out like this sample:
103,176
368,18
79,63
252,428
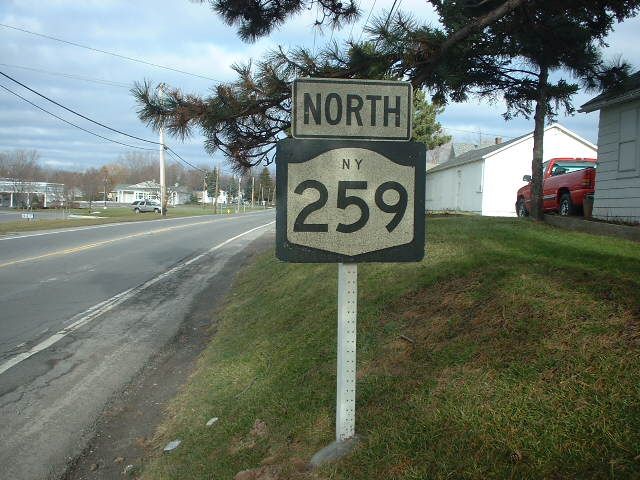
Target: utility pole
215,201
253,187
238,208
204,188
163,183
163,186
104,200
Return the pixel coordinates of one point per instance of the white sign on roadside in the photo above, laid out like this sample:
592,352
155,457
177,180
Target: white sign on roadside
355,109
350,189
350,201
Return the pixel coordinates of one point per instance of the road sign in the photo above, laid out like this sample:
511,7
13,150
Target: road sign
28,216
350,201
356,109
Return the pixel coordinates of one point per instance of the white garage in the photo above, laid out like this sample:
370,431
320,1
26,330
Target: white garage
485,181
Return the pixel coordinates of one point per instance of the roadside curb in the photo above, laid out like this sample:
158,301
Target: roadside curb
579,224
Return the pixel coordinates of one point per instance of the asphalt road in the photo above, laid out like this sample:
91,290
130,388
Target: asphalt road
82,310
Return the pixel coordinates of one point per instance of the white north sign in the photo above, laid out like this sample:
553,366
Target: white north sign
355,109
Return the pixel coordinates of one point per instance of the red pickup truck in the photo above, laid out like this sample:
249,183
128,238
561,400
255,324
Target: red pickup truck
565,182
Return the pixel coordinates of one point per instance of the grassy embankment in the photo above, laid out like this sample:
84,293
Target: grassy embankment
523,361
111,215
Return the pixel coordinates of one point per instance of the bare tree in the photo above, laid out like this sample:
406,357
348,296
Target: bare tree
91,183
22,167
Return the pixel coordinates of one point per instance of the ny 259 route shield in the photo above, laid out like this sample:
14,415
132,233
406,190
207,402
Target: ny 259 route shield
350,201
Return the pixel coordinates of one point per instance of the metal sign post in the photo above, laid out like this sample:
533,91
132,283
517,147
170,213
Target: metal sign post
347,317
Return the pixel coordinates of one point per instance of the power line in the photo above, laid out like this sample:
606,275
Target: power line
99,81
367,21
169,149
477,132
176,160
178,157
393,5
70,123
76,113
125,57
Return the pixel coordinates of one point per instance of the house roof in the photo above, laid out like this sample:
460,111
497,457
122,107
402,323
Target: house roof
460,148
146,185
150,184
449,151
440,154
627,90
473,155
482,153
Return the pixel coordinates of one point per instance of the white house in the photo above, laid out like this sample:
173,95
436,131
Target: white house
222,197
149,190
617,193
178,195
485,181
24,194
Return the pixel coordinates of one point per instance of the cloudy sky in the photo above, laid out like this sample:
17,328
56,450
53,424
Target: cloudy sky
182,35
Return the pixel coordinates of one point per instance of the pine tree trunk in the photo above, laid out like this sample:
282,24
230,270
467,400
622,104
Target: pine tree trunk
537,211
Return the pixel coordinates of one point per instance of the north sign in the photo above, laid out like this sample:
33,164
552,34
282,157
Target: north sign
354,109
350,201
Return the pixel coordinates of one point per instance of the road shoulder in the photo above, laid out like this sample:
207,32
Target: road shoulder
127,423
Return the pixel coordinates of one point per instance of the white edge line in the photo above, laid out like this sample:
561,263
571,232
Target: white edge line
116,224
98,309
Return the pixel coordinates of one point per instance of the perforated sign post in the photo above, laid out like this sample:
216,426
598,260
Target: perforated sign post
350,189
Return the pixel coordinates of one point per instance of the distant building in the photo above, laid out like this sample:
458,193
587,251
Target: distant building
178,195
149,190
439,155
23,194
617,194
203,197
485,181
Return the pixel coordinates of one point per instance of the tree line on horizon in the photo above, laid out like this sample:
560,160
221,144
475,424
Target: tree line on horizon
24,166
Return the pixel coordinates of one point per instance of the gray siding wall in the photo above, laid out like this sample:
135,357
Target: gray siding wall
618,176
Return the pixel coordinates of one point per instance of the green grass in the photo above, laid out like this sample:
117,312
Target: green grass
111,214
525,364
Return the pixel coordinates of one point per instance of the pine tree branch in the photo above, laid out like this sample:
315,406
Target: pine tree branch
465,32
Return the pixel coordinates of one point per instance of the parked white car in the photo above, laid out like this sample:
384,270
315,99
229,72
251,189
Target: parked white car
140,206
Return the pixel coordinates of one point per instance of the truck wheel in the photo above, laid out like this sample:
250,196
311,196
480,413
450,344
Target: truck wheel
566,206
136,210
157,210
521,209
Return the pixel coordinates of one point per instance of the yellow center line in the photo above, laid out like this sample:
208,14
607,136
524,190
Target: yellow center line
89,246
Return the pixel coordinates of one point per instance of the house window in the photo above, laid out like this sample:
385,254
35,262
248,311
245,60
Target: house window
140,196
628,146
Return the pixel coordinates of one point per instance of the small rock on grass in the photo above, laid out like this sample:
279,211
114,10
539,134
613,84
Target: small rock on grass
262,473
299,464
171,446
259,429
212,421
